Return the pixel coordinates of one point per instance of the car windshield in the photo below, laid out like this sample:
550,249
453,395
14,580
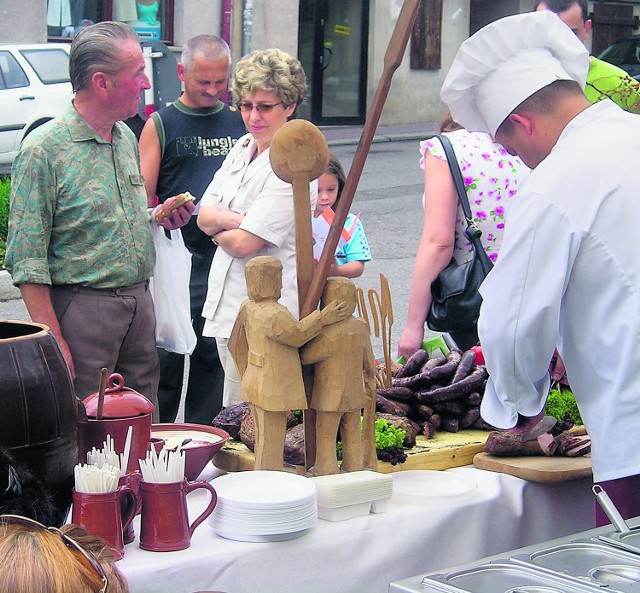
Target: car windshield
624,52
51,65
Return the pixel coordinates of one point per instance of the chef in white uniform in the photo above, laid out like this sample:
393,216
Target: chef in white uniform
568,275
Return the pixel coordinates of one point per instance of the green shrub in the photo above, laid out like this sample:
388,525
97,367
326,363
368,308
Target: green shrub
5,186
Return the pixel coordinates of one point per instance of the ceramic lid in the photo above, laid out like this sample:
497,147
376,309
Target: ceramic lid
119,401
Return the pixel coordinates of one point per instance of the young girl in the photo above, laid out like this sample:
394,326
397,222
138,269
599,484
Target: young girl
350,258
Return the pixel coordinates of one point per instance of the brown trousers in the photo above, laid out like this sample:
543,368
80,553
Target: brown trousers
112,328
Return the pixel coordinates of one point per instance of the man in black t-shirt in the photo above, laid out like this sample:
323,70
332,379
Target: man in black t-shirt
181,148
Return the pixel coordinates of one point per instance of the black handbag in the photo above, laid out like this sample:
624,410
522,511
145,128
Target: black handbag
456,300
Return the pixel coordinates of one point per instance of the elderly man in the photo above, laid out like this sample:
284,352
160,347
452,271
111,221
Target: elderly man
569,267
604,80
181,148
80,246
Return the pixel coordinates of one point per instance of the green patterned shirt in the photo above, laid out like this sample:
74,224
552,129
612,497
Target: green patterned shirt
78,211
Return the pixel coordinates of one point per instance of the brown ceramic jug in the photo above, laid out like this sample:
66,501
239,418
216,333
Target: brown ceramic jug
39,413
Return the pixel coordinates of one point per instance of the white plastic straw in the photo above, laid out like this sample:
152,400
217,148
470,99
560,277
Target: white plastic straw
167,466
93,479
124,458
108,456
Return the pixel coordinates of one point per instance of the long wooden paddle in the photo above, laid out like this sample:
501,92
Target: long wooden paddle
299,154
392,59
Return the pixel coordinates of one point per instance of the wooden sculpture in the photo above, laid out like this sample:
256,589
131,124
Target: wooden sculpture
341,353
267,339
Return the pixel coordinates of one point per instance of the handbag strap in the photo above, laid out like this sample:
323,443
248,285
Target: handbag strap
472,231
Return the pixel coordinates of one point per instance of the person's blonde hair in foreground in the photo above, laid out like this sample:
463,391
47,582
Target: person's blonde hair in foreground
39,559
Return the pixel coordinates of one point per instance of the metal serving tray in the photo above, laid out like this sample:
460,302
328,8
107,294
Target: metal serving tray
504,577
588,561
629,540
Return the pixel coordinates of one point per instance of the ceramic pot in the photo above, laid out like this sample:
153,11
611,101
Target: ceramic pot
38,424
123,407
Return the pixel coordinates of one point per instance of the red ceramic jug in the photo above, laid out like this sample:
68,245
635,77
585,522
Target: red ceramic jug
106,515
164,523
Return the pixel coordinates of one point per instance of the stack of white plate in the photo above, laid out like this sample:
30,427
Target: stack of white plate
263,506
354,494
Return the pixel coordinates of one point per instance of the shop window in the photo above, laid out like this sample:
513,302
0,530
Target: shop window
152,19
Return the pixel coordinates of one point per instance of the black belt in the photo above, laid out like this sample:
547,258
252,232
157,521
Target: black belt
132,290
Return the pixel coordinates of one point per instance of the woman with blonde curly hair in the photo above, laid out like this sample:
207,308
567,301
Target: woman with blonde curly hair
247,210
39,559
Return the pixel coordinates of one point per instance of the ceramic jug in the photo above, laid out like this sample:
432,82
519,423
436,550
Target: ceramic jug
164,524
106,515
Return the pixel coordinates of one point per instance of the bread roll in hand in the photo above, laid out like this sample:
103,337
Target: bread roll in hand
165,209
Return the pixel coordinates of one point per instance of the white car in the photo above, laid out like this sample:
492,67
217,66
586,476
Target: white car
34,88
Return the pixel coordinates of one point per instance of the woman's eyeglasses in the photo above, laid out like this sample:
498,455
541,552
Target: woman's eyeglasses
247,107
72,544
14,485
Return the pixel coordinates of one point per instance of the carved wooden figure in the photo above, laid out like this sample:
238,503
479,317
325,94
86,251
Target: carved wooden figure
341,353
265,349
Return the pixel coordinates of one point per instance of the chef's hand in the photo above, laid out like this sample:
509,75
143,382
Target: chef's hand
556,368
526,423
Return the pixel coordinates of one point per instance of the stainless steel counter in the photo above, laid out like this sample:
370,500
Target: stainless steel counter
595,560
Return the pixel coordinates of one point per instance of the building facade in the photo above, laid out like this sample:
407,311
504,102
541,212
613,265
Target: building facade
341,43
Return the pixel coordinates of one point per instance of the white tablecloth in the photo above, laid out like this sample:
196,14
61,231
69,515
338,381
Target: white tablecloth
363,555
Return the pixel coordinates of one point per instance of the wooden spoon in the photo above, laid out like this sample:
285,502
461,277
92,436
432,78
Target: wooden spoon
104,376
299,154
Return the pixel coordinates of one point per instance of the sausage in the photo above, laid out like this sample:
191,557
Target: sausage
397,392
466,364
420,381
469,417
450,424
387,406
505,443
405,407
470,383
423,411
450,408
445,371
482,424
412,366
472,400
428,429
432,363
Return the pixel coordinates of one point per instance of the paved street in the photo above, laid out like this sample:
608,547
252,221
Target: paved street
389,199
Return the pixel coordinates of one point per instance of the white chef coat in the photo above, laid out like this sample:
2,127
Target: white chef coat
252,188
569,275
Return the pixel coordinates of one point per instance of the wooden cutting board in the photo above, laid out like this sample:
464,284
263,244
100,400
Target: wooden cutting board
537,468
444,450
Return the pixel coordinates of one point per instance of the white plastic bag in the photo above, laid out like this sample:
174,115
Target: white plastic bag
170,291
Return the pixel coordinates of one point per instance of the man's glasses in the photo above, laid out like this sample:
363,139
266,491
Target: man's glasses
72,544
247,107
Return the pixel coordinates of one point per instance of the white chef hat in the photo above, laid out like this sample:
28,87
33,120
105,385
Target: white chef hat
506,62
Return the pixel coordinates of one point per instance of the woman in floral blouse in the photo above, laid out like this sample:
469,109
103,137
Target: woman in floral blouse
491,177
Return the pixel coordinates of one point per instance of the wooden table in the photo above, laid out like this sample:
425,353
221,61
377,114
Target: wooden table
414,535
